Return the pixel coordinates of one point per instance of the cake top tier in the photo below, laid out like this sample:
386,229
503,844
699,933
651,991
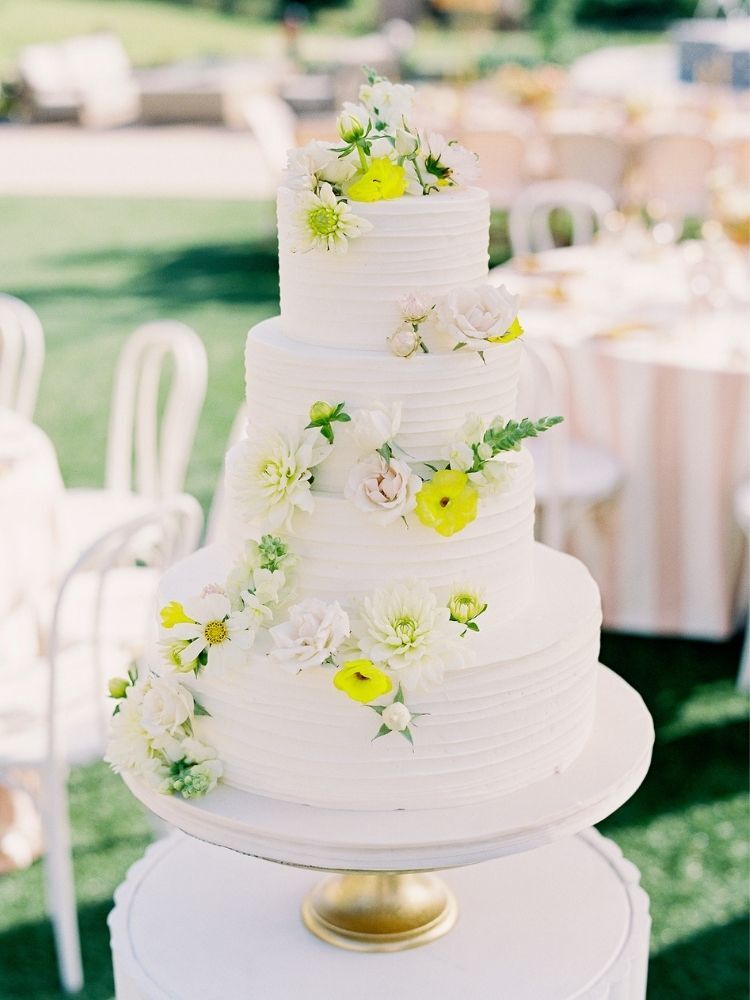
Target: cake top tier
387,212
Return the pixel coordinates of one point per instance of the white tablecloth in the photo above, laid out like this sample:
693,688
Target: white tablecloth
667,393
30,494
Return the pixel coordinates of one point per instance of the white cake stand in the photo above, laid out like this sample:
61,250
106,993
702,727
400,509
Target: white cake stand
385,902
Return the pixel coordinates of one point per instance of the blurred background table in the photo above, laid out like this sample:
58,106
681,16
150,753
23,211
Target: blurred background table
657,355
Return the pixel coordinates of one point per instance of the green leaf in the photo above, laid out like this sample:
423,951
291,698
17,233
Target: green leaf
424,347
473,626
510,435
481,355
459,346
386,451
327,431
399,696
342,418
406,733
377,708
383,731
200,710
133,673
203,658
117,709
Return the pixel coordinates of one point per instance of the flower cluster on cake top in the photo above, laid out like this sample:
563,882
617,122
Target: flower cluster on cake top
382,155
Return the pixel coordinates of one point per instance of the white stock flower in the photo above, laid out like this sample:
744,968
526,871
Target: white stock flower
323,221
200,779
459,454
258,613
269,473
223,634
388,103
166,705
457,164
494,476
384,489
370,429
195,751
473,316
406,142
129,745
317,163
404,627
314,631
396,716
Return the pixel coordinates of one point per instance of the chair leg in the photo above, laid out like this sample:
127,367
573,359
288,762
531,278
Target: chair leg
58,872
743,677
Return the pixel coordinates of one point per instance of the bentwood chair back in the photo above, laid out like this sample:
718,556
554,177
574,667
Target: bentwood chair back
21,355
529,219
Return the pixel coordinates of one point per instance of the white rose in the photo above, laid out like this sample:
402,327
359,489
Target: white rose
396,716
370,429
385,489
166,705
404,342
314,631
473,316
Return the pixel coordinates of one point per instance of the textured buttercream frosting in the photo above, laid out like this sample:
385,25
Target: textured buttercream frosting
435,391
429,244
522,713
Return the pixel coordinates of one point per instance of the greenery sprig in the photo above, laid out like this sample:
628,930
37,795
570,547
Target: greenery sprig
508,437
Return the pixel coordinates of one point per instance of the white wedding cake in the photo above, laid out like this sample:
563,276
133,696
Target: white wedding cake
382,631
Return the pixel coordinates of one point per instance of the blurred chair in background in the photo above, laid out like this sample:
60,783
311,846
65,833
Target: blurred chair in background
672,174
53,711
21,356
147,450
596,159
502,156
571,476
529,219
88,78
274,128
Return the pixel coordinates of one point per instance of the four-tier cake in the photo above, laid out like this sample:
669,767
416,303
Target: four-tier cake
382,631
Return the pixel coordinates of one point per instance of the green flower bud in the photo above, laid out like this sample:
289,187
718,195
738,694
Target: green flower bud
321,412
118,687
465,606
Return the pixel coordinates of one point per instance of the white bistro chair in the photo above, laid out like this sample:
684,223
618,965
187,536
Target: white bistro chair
21,356
529,219
571,476
148,448
53,711
502,159
672,173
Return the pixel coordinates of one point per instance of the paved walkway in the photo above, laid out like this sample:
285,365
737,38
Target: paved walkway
173,161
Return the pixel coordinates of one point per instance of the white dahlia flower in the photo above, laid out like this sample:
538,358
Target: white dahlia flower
323,221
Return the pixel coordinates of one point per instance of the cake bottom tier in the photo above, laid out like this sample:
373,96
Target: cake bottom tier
520,715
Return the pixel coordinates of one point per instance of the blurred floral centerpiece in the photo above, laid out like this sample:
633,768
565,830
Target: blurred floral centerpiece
531,88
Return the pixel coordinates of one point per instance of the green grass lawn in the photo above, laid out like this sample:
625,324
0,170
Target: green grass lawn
94,269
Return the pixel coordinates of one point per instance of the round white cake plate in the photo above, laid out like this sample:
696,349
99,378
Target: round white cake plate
607,772
566,922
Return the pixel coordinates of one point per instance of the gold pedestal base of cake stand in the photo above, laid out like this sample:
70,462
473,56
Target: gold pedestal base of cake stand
380,912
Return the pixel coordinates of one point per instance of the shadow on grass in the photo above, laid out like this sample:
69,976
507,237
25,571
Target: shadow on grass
708,966
231,273
28,964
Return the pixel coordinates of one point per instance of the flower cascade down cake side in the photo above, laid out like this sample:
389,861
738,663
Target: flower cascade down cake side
379,629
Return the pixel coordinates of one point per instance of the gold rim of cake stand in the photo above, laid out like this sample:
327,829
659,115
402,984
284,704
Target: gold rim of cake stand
380,911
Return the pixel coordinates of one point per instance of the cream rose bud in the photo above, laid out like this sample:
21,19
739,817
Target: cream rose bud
166,706
118,687
384,489
473,316
404,342
314,631
396,716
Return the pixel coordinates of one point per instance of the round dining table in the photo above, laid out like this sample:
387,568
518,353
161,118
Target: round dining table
655,344
31,491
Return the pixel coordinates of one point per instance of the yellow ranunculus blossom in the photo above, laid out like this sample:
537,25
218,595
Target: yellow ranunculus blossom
514,331
362,681
173,614
448,502
383,180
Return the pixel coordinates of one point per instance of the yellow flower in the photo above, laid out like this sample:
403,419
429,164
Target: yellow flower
514,331
173,614
362,680
448,502
383,180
